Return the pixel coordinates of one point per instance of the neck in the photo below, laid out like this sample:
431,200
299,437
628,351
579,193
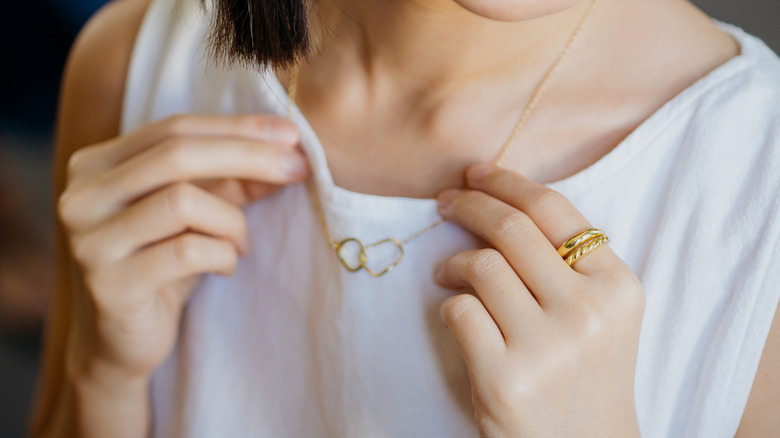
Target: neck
421,81
436,44
404,94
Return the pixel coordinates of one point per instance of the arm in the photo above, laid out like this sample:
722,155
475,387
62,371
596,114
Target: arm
142,228
90,109
762,413
550,345
475,325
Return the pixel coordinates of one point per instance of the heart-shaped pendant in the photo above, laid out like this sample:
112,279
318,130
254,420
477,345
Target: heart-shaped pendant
362,255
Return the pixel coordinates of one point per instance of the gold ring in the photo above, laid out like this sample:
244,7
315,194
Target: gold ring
585,249
578,239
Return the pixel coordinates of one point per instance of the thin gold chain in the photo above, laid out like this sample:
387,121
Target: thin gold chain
292,92
315,199
543,86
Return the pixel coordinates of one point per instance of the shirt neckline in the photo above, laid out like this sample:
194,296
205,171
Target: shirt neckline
641,137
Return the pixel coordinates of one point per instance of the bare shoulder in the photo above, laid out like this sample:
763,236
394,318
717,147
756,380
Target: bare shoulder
94,80
676,45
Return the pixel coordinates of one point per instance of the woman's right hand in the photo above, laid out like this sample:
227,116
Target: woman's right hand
148,212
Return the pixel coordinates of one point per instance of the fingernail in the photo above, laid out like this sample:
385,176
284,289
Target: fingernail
438,274
281,131
479,171
293,162
444,200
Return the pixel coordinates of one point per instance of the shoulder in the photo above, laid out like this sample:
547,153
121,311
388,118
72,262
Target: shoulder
729,126
736,137
741,96
101,54
94,79
730,149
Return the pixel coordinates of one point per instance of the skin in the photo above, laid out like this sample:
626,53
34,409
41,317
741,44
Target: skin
442,85
415,104
551,350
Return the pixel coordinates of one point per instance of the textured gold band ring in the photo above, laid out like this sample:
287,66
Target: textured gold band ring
585,249
578,239
582,244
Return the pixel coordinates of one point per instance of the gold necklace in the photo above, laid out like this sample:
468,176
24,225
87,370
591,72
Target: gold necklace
339,246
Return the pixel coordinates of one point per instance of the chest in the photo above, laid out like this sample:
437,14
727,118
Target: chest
393,156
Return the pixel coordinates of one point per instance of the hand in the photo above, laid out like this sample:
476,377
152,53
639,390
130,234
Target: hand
149,212
551,349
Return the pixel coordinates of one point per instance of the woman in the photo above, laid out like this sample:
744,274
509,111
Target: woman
646,118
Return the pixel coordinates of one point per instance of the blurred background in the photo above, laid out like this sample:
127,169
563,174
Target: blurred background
35,38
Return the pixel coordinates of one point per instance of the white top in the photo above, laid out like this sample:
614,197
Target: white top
295,346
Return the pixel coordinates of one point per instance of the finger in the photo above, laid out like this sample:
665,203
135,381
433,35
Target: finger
168,212
182,159
236,191
503,294
555,216
478,338
515,236
102,156
163,263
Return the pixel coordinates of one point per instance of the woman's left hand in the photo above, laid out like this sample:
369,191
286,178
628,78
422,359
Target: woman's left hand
551,349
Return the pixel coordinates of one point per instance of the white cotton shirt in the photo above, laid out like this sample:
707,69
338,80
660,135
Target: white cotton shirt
295,346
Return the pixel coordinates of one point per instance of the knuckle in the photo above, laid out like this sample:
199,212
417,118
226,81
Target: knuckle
456,309
484,262
177,125
588,318
550,200
590,325
187,251
180,200
87,160
71,204
514,222
76,163
174,153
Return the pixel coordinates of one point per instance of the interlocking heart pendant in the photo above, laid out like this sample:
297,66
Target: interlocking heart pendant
362,257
